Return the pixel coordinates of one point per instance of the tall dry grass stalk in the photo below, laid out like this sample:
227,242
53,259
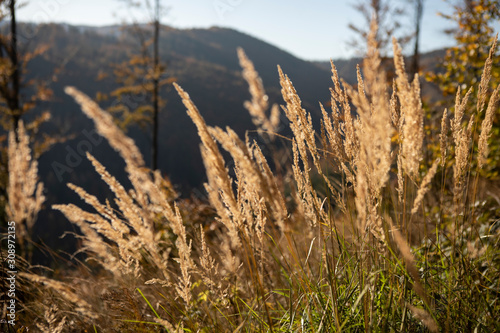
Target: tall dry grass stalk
146,185
270,256
54,324
444,137
492,105
411,121
304,146
486,126
24,190
259,104
373,132
139,208
462,138
486,77
255,185
219,186
130,230
81,305
424,186
106,127
361,146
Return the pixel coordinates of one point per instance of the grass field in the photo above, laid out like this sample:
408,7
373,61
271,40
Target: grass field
379,221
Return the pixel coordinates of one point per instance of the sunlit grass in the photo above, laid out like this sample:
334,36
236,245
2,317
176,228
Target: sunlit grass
357,233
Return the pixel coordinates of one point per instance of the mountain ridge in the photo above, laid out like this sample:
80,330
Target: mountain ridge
205,63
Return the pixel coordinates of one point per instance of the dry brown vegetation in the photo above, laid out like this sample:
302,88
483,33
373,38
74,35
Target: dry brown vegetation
348,236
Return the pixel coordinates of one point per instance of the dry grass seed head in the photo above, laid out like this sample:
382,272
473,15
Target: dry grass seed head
400,188
444,137
394,105
105,211
300,121
424,317
462,138
219,187
339,96
186,264
424,186
486,126
24,190
304,145
259,104
209,267
65,291
485,77
411,117
146,190
333,132
107,128
54,325
373,132
133,215
307,199
92,241
456,122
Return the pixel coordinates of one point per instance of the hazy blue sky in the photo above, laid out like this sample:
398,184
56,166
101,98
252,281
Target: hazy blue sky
312,30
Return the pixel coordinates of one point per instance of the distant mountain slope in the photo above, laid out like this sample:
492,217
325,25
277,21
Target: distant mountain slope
205,63
429,61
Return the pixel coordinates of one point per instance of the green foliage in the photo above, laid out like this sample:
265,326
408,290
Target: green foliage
463,64
474,35
174,264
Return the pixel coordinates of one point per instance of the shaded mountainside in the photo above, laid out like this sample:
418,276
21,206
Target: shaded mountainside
205,64
429,61
347,67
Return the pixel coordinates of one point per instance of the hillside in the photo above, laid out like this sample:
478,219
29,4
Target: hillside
204,63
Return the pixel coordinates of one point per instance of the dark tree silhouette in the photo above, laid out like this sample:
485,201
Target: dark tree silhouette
10,78
138,100
419,10
387,16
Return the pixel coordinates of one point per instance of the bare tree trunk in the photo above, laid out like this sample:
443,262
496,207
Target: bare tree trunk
156,80
13,100
419,8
